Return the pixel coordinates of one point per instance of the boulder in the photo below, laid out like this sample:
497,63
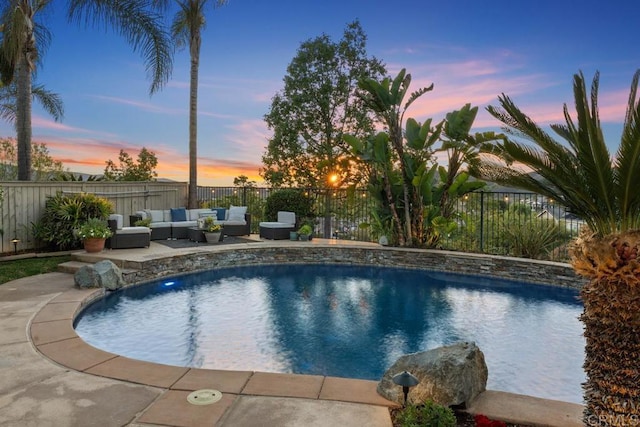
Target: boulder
449,375
103,274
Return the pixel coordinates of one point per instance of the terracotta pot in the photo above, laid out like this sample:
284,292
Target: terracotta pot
94,244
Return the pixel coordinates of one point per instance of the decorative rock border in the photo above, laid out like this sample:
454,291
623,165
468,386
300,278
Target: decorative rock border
522,270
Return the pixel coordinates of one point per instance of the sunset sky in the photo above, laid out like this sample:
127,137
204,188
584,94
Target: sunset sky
471,50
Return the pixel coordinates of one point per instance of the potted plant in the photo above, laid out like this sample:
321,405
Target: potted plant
143,223
305,232
93,233
212,231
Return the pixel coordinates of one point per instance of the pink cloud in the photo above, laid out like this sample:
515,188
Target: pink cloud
249,137
145,106
90,155
39,122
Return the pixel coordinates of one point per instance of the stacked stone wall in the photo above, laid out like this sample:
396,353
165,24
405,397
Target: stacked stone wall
522,270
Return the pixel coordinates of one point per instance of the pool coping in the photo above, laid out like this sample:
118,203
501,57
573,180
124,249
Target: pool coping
52,334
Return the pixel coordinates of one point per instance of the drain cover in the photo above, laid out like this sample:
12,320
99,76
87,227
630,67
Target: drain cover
204,397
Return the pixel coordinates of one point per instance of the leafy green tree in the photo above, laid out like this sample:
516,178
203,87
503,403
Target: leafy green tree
243,181
290,200
24,39
319,104
186,30
580,174
44,167
130,170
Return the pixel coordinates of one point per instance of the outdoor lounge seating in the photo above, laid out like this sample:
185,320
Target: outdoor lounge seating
280,229
126,237
175,223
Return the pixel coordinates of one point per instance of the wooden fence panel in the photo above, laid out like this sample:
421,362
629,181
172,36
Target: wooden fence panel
23,203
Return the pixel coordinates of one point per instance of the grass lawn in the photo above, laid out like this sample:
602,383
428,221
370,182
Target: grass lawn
15,269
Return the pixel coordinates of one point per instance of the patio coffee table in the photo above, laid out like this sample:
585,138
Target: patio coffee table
196,234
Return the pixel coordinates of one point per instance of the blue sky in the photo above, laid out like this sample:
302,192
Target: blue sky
472,51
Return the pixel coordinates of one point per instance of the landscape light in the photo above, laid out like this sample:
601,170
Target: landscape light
406,380
15,242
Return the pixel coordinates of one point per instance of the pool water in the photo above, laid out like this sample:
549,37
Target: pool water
346,321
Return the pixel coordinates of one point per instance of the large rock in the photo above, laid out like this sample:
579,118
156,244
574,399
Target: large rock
103,274
450,375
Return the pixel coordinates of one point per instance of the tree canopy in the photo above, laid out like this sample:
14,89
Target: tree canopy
318,105
44,167
130,170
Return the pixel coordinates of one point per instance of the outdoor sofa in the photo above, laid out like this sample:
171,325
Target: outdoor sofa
280,229
126,237
174,223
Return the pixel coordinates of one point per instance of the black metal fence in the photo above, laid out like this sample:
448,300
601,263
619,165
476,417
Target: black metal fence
499,223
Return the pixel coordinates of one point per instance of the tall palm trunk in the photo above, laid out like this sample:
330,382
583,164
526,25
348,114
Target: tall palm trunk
612,328
23,118
194,50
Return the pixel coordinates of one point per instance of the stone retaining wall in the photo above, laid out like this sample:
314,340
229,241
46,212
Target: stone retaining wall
524,270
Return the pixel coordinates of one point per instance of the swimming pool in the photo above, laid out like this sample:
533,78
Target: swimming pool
345,321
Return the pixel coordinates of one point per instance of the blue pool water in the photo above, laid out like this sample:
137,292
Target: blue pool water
346,321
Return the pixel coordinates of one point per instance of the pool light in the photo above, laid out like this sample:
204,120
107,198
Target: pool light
169,283
406,380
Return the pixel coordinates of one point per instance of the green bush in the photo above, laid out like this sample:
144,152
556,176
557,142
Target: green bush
534,239
428,415
63,215
291,200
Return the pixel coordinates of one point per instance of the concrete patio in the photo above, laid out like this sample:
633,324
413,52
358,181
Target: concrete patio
53,378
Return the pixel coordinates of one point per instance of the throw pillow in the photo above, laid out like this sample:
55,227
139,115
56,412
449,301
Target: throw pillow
178,214
206,214
156,215
222,212
236,213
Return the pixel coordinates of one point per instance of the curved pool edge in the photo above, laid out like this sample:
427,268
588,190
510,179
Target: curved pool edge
51,333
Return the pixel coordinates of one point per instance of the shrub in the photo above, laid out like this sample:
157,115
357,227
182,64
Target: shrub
305,230
533,239
291,200
428,415
63,215
143,222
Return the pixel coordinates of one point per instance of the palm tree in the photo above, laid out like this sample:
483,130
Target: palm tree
24,39
186,30
50,101
603,191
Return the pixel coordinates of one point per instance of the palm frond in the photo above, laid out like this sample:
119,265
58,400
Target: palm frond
588,142
139,24
50,101
628,161
580,173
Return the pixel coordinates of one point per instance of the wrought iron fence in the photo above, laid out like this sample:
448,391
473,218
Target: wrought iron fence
514,224
340,213
498,223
